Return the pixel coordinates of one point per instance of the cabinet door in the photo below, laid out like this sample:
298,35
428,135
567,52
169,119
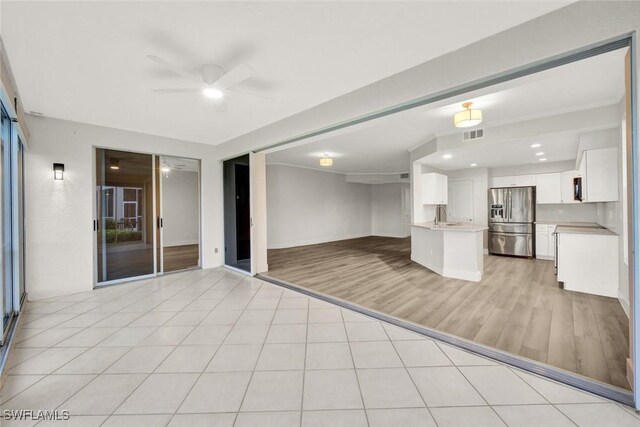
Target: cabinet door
504,181
582,169
567,186
552,240
548,188
542,240
602,175
525,180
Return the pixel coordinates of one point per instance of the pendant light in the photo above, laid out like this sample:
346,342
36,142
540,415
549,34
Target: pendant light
468,117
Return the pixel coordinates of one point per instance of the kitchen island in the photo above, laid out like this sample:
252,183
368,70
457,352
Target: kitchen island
449,249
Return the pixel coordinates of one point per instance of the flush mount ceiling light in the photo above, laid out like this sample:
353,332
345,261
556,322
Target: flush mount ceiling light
326,161
114,164
540,153
544,159
535,145
468,117
212,92
447,156
473,165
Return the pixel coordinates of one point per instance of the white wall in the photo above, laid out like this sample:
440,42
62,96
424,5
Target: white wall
610,215
306,206
180,213
59,232
388,215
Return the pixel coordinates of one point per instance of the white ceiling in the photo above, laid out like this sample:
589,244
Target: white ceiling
381,146
85,61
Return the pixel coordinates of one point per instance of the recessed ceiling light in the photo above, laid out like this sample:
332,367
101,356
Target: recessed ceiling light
212,92
544,159
473,165
535,145
447,156
540,153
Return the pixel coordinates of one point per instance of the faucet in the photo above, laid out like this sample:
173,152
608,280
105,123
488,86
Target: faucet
438,218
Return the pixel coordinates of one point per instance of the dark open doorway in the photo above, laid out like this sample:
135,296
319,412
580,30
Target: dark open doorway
237,214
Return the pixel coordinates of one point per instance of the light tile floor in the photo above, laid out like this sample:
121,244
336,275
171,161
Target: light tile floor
215,348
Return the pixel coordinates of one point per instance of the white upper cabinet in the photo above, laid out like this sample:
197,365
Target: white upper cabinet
513,181
548,188
601,173
434,189
567,186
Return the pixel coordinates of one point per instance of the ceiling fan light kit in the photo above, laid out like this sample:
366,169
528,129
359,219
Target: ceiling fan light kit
214,82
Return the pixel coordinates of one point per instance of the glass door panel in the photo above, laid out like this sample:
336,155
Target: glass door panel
124,193
180,213
5,230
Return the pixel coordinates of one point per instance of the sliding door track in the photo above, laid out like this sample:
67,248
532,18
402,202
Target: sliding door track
542,369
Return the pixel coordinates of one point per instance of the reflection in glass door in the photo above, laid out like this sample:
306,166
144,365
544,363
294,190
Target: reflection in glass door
179,213
5,231
124,205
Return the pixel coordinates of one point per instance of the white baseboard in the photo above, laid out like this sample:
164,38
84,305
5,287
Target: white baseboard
181,243
306,242
624,302
397,236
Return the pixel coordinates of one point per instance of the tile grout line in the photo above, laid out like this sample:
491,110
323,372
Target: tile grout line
304,366
89,348
409,373
246,390
355,370
142,382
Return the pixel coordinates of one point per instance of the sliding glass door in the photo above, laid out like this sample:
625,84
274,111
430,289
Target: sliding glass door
147,215
11,221
179,195
124,224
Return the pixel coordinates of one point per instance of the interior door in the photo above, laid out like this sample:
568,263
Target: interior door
460,207
258,175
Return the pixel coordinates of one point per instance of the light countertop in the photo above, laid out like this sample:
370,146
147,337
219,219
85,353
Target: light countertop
457,227
568,229
569,223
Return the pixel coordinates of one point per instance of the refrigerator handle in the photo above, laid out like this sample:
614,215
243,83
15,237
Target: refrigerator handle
508,199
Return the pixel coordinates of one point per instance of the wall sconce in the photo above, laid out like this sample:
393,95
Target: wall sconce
58,171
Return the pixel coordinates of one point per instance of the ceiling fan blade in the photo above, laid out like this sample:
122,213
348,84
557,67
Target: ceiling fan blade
220,106
168,91
238,74
174,68
242,92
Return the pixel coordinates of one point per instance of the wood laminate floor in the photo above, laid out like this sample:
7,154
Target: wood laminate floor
181,257
517,307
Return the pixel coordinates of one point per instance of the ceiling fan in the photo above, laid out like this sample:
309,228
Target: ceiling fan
213,82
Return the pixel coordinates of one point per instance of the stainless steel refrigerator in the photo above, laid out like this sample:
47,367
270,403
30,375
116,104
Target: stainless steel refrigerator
512,213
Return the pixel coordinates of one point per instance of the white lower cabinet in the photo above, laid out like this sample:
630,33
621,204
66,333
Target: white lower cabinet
545,241
588,263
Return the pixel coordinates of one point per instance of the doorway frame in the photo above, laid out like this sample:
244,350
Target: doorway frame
628,40
156,242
